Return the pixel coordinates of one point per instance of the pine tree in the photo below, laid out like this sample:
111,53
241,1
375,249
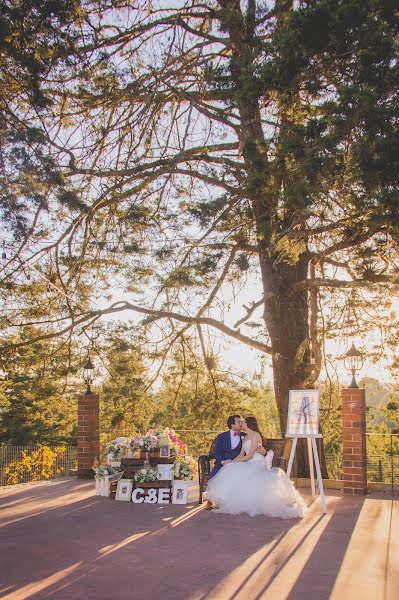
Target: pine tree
127,405
38,393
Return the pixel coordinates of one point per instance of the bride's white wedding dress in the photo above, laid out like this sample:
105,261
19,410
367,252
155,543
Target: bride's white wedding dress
248,487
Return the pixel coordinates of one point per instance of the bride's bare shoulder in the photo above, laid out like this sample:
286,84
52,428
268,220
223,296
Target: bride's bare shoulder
257,437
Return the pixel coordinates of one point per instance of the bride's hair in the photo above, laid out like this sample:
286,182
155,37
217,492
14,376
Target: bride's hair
252,423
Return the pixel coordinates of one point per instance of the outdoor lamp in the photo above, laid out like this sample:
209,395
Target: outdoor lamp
353,362
88,375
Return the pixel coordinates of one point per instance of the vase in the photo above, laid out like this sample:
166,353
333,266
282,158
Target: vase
102,486
105,490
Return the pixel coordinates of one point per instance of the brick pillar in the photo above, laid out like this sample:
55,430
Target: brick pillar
88,433
354,441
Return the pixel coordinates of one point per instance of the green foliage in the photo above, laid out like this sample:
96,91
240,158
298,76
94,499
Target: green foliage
37,399
190,399
126,406
36,35
331,418
353,45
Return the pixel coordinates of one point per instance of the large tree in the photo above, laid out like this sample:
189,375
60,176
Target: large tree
217,139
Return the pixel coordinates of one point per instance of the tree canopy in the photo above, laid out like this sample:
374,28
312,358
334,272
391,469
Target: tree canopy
204,144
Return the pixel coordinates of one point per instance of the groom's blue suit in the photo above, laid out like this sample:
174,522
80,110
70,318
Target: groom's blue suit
224,451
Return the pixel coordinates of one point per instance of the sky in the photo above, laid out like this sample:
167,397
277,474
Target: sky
244,360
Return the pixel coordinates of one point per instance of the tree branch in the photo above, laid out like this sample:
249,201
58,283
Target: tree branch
308,284
156,315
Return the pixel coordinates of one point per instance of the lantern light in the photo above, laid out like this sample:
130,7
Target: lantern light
353,362
88,375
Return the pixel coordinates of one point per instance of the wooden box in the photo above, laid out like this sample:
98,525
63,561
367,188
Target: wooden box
151,485
130,466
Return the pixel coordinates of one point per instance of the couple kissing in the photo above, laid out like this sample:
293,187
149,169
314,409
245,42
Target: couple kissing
243,479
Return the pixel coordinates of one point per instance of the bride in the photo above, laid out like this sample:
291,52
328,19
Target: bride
245,485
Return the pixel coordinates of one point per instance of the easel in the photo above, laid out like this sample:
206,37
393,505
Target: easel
313,455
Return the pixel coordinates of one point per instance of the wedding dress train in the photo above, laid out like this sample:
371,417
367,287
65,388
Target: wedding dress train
248,487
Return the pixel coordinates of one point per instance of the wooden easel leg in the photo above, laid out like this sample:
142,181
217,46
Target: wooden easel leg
292,455
311,467
319,478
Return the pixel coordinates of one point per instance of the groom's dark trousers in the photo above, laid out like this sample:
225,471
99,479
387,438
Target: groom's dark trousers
224,451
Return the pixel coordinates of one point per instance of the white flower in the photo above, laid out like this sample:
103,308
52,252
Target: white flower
143,471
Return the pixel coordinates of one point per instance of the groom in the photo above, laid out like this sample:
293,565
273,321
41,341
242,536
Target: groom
228,444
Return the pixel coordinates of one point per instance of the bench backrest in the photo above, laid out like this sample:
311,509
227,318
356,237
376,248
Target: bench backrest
212,448
280,446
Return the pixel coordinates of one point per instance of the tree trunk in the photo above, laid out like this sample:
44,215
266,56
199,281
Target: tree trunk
286,315
286,312
287,322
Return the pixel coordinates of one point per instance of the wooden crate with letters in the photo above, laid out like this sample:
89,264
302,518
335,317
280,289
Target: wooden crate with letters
130,466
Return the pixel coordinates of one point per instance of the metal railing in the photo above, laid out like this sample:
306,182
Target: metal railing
334,466
383,458
198,441
22,464
382,454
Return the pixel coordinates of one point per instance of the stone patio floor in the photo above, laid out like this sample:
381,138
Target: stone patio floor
60,541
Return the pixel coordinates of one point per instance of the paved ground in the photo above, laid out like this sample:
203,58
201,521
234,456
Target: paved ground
59,541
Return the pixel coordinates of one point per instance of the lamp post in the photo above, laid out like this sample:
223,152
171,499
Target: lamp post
353,362
354,448
88,375
88,424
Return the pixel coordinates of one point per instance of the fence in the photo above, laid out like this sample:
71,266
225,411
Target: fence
21,464
382,454
198,441
334,466
383,458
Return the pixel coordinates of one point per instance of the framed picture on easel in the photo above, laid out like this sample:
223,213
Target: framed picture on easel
303,422
303,413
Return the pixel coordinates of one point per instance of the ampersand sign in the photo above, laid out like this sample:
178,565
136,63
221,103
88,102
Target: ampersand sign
152,497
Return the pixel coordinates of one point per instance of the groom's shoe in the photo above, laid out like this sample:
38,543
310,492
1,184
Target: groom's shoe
209,505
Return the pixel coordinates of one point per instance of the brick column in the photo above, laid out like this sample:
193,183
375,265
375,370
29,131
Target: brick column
88,433
354,441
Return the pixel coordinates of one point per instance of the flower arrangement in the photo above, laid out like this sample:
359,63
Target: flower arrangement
168,437
153,439
118,449
164,440
146,474
184,468
147,442
103,470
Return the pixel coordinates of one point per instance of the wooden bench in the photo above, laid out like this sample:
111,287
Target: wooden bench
281,448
